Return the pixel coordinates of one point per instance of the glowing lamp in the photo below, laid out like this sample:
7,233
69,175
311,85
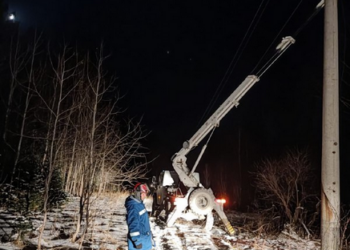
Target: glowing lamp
221,201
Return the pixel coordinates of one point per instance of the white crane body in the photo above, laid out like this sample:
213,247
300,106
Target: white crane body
199,202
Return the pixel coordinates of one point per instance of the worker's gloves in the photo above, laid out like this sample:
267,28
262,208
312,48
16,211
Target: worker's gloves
139,246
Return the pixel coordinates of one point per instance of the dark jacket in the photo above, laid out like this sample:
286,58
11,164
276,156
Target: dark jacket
138,223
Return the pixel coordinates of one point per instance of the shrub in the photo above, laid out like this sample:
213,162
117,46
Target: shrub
286,195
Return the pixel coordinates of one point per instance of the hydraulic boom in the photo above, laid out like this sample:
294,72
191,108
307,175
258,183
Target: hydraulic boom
199,202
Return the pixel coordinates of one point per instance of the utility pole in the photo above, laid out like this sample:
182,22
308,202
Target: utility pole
330,193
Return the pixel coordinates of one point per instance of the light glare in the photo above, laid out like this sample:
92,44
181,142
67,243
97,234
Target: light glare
12,17
222,201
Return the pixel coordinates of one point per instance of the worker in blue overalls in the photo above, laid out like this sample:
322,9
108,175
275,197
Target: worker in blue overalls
139,234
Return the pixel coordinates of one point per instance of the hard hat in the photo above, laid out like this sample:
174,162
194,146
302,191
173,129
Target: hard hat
141,187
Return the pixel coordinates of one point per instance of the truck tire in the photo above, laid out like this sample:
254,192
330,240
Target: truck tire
201,201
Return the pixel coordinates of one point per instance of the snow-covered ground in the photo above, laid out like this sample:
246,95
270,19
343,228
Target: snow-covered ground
108,231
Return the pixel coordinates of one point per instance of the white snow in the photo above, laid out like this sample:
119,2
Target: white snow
108,231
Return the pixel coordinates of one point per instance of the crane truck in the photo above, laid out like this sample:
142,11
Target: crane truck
199,202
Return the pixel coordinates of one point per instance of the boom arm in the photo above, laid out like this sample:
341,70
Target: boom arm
179,159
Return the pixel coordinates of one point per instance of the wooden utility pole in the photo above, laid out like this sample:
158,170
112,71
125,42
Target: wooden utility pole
330,219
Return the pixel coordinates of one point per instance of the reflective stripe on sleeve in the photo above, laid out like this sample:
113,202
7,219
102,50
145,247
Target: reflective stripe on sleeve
134,234
142,212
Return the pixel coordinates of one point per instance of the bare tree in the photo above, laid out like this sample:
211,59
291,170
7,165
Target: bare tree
71,125
17,61
32,76
60,87
102,146
344,230
285,188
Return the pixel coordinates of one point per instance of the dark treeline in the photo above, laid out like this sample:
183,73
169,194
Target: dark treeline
61,129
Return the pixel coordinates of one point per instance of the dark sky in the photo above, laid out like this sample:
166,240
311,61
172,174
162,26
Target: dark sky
171,56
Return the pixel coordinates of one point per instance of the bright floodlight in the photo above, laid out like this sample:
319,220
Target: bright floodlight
12,17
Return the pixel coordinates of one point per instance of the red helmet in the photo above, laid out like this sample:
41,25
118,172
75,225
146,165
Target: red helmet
140,187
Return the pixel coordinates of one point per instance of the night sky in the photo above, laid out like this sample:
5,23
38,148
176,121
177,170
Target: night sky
170,58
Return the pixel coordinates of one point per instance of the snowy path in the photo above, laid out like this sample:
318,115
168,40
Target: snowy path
108,230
